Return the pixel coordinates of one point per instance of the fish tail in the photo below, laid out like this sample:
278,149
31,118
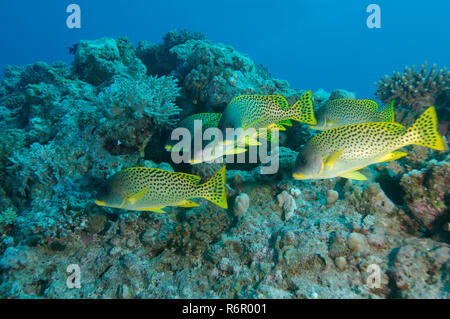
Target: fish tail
303,109
424,131
387,113
214,189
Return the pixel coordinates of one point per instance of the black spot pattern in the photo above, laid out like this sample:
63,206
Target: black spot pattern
351,111
359,141
261,111
303,109
214,189
164,188
365,141
425,132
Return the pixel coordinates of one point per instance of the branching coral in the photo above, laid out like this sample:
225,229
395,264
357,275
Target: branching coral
153,97
414,88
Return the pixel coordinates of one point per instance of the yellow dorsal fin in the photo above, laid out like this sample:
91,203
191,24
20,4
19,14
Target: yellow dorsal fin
392,156
332,159
279,100
133,198
194,179
387,113
369,104
354,175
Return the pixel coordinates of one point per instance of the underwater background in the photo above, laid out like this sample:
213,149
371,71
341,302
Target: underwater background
78,105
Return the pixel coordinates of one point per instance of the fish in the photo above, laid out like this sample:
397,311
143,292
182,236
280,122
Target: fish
265,112
152,189
215,150
340,112
344,150
208,120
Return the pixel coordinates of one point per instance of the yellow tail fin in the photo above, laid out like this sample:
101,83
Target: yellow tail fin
303,109
424,131
387,113
214,189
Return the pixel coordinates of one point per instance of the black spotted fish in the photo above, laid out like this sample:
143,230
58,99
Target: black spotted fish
207,120
152,189
266,111
340,112
342,151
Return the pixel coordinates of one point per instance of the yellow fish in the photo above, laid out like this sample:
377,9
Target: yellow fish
340,112
151,189
342,151
266,111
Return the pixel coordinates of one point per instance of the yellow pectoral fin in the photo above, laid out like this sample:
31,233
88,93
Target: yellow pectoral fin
133,198
285,122
332,159
187,203
392,156
276,126
236,150
354,175
331,123
265,135
251,141
153,209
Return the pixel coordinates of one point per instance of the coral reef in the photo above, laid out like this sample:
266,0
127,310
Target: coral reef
65,129
415,89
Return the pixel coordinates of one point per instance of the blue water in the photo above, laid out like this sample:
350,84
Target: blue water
312,44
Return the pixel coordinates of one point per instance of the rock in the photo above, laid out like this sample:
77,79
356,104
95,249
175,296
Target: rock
295,192
357,242
340,262
96,224
287,202
427,191
14,258
338,246
377,238
332,197
148,237
241,204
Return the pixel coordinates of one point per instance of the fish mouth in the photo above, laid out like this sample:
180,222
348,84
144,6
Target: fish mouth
100,203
